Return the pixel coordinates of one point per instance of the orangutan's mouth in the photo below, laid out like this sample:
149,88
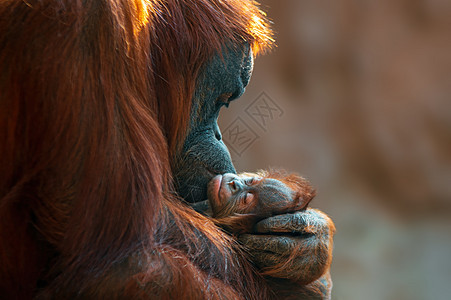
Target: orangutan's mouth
214,188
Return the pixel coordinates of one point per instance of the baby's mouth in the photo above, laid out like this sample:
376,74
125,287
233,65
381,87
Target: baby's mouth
214,188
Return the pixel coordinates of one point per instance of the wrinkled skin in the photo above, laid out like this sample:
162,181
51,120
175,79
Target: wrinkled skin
204,155
303,229
231,194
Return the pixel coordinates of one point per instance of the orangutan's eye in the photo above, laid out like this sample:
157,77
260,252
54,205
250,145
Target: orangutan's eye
249,181
224,100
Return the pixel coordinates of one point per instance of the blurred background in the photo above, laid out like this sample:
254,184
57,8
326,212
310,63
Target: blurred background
357,98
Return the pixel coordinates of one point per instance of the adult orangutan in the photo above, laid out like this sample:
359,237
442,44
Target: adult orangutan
107,108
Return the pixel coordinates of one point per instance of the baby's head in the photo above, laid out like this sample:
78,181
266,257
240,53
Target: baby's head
260,194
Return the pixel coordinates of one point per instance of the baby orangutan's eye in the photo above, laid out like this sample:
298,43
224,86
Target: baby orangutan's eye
249,181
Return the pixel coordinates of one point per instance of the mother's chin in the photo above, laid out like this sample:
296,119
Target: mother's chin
191,184
203,156
192,180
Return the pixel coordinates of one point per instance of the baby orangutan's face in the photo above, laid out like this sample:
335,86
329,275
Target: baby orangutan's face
252,194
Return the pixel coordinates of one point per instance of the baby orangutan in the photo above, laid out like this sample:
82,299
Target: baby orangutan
239,201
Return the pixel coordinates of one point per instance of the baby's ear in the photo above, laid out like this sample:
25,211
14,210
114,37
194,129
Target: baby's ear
302,199
304,192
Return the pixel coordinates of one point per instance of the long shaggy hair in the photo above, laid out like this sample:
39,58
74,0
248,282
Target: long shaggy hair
94,100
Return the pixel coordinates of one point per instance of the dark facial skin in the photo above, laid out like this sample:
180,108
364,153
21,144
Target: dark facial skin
231,194
307,244
204,154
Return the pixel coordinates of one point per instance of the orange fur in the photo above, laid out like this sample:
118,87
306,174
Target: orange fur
94,98
228,218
